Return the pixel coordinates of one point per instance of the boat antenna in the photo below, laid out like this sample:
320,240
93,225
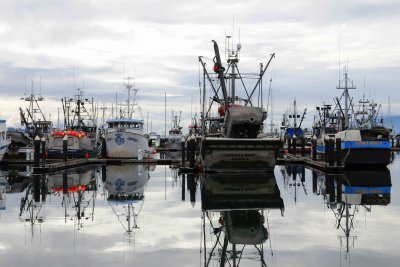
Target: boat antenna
73,77
339,56
165,113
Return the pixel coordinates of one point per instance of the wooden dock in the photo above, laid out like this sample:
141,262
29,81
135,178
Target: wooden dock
307,161
59,165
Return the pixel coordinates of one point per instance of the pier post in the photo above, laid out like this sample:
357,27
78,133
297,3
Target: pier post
392,139
43,151
104,173
65,148
103,147
303,146
329,152
338,152
294,145
183,186
43,189
314,147
192,188
36,186
289,145
191,148
65,184
183,151
338,189
330,188
314,182
36,152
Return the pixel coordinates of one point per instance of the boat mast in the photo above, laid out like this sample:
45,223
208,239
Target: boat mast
347,85
294,114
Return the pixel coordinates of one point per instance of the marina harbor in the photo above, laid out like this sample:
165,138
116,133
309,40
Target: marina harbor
199,133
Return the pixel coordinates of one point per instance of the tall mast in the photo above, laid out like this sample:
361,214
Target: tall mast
295,113
347,85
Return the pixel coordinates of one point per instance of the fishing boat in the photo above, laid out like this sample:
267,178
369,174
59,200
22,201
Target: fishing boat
173,140
33,119
233,139
125,137
80,129
4,139
364,143
291,123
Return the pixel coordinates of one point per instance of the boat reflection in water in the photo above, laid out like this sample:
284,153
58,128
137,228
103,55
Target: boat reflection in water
78,188
236,207
125,185
294,179
349,194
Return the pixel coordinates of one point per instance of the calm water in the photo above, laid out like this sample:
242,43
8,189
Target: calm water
294,217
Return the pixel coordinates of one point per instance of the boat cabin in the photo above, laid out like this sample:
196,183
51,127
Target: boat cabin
125,123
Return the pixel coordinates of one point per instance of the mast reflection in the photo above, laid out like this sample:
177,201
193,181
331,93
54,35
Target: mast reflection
78,187
349,194
235,207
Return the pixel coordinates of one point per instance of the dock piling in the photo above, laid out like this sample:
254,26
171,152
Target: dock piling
65,148
303,146
43,143
183,186
338,152
103,147
36,152
314,148
183,151
294,145
329,152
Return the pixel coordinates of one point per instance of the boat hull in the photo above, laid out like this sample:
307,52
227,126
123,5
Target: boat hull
78,147
363,154
123,144
371,157
173,142
239,154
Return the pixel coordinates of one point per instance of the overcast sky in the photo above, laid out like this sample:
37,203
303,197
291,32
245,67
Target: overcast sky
161,41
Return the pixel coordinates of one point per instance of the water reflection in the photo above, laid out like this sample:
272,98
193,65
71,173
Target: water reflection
348,194
235,208
294,179
124,190
79,188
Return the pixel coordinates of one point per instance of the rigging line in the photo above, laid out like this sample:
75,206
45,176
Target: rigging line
244,87
262,259
200,86
123,226
270,242
241,254
212,250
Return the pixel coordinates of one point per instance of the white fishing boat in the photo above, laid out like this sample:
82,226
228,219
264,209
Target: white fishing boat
125,137
4,140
